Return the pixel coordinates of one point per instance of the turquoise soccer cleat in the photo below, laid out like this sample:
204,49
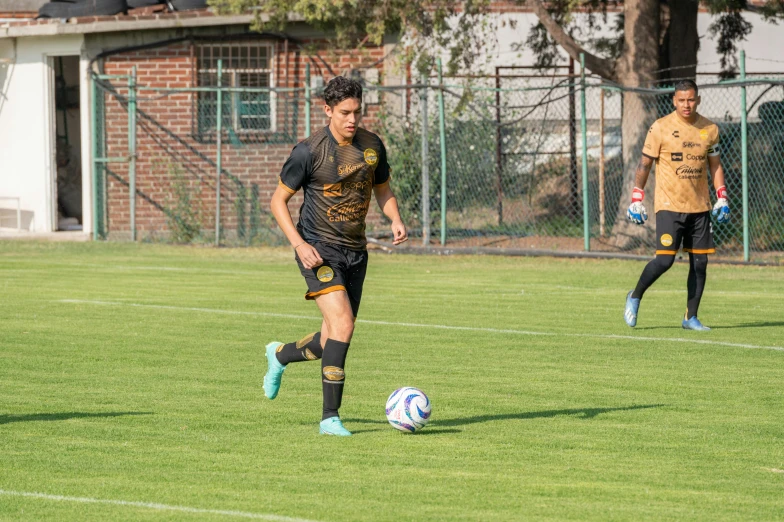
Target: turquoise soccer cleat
630,313
274,371
333,426
694,324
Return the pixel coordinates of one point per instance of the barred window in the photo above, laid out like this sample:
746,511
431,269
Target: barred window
246,64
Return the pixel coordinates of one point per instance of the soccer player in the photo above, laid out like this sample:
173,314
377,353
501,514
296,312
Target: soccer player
683,144
337,168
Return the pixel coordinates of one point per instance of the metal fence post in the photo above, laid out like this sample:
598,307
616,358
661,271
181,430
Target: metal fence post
219,143
132,148
442,133
744,138
425,173
307,100
584,130
94,150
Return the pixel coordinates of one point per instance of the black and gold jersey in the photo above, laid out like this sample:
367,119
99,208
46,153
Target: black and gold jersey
337,183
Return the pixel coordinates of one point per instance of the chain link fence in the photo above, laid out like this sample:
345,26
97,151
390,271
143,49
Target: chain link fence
477,162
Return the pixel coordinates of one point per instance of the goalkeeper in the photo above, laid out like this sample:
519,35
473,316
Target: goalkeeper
683,144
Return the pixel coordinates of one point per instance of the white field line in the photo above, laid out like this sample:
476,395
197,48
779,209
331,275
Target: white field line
152,505
432,326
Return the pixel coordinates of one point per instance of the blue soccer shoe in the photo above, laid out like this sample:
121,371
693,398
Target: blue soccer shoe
630,313
694,324
274,371
333,426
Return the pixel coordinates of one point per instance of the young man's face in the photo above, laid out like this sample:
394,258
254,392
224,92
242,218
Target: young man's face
345,117
686,103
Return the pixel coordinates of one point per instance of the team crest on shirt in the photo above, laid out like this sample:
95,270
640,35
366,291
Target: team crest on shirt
325,274
666,239
704,134
371,157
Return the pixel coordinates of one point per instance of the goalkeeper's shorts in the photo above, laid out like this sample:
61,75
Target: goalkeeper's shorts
694,229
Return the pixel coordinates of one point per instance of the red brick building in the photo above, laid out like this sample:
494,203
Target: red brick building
176,57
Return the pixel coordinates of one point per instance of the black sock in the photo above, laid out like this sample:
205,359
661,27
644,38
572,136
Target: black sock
306,349
698,268
333,376
652,271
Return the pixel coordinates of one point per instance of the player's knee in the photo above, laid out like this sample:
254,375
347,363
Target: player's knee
342,328
664,262
700,262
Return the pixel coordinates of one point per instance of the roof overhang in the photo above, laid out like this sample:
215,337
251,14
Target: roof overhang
119,23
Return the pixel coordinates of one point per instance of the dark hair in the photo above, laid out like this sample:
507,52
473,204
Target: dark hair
686,85
341,88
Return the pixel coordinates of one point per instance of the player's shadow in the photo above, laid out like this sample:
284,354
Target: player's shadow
34,417
583,413
760,324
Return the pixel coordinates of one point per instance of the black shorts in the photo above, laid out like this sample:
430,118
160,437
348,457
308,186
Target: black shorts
343,269
696,231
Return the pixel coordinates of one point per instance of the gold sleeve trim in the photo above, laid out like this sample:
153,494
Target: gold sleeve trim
328,290
286,187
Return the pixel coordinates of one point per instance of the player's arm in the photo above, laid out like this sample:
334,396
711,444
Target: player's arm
279,205
637,213
293,176
650,151
388,203
721,210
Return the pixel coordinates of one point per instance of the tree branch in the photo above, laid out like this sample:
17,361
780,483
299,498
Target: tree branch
595,64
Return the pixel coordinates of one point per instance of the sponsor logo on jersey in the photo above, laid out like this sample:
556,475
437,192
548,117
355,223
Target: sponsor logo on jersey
676,134
695,157
357,185
690,145
704,134
666,240
676,156
325,274
348,211
333,190
371,157
333,373
687,171
345,170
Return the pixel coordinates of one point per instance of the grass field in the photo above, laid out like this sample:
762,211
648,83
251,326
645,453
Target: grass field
130,389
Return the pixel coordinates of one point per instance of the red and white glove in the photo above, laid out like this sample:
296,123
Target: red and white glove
721,210
637,213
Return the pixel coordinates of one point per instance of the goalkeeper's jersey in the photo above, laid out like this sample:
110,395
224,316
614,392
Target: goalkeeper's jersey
681,152
337,183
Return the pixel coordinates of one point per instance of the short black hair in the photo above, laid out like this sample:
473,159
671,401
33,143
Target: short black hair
341,88
686,85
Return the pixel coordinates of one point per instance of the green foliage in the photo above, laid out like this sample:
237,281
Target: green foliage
184,212
458,27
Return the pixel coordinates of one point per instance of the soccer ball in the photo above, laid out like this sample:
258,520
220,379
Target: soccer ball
408,409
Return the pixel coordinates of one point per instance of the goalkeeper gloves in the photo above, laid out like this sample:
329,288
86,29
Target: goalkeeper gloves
637,213
721,210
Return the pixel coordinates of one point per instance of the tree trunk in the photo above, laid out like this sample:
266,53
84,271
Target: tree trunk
681,41
635,68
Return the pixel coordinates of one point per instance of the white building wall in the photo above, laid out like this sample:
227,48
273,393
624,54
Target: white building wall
27,153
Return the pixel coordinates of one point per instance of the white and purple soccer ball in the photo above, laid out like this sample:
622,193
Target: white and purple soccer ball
408,409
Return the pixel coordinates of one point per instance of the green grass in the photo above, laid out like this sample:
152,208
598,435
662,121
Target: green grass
163,404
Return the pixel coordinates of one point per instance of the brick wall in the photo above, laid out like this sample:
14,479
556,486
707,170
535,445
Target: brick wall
169,149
